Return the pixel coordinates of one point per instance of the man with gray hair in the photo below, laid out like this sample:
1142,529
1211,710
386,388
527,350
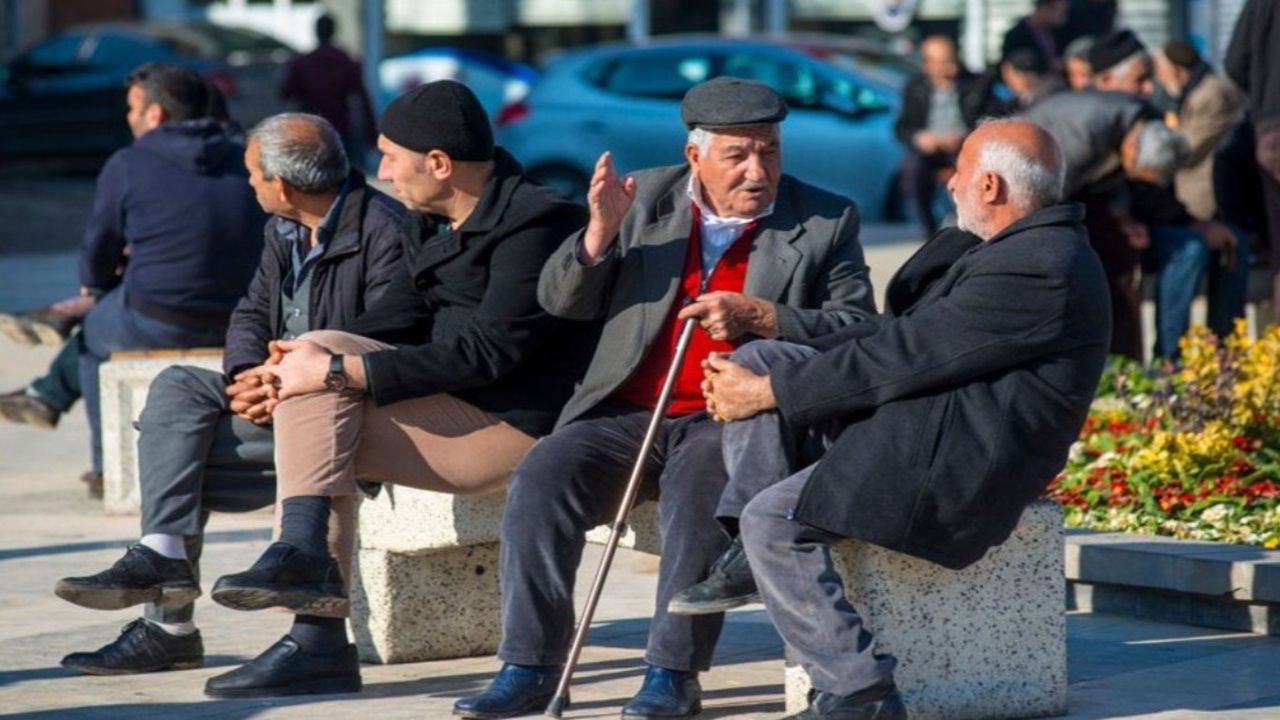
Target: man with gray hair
728,240
331,249
927,431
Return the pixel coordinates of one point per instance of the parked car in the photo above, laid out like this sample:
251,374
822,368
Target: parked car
64,96
843,96
496,81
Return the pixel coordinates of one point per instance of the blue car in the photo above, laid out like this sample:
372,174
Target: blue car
625,98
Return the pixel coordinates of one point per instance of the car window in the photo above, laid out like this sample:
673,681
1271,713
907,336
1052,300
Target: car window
656,75
117,50
843,94
62,50
797,83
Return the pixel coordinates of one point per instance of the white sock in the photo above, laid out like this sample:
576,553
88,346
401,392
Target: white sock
185,628
170,546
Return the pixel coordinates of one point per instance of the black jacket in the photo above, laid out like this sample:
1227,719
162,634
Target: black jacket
976,102
959,412
466,315
1252,59
362,258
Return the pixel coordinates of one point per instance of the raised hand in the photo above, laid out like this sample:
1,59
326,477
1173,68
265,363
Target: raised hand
609,198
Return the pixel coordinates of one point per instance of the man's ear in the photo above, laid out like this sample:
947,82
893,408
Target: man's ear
154,115
438,164
693,155
285,192
991,185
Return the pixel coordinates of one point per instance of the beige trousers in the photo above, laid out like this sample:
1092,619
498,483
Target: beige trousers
325,440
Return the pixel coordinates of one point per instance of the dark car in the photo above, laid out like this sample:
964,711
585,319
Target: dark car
64,97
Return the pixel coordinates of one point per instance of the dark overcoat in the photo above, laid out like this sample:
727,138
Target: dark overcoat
958,412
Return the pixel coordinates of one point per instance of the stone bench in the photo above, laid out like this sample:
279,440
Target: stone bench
124,382
985,642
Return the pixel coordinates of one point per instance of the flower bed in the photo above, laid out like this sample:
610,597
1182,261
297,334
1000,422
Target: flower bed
1191,451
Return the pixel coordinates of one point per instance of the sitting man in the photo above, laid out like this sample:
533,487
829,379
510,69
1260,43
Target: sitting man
477,372
749,252
331,250
988,374
939,107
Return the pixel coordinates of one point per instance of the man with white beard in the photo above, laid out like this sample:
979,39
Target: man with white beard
927,431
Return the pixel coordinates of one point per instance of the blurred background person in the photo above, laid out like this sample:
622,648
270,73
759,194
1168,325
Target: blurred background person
1028,79
1036,32
1253,63
940,106
1076,67
328,82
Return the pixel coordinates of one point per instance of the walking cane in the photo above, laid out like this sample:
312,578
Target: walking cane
556,707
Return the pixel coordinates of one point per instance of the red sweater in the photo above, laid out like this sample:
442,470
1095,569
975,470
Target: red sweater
729,275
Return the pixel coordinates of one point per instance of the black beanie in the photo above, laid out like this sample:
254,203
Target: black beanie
1114,48
443,115
1182,53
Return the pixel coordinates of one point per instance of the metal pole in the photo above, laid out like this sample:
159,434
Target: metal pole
638,23
556,707
775,16
373,21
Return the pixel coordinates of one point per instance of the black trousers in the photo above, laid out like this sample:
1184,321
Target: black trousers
573,480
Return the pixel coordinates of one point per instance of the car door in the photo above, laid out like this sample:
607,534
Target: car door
41,99
839,132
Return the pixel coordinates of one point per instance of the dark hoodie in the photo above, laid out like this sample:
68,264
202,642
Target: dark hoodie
179,198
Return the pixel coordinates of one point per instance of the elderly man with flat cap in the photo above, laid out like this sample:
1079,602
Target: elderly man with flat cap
442,384
751,253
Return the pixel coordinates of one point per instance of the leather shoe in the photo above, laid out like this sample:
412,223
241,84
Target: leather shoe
286,669
515,690
665,694
285,577
730,584
24,408
141,576
141,648
879,702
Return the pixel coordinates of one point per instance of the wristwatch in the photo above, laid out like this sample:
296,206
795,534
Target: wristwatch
336,379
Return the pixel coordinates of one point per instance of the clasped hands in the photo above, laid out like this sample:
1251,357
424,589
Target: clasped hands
734,392
292,367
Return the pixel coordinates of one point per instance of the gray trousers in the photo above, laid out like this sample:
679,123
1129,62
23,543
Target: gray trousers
572,481
803,593
195,457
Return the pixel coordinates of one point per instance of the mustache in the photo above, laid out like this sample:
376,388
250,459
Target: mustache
754,186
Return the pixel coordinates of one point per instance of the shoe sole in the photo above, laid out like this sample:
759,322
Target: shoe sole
252,598
675,607
106,598
319,686
695,710
530,708
96,670
18,330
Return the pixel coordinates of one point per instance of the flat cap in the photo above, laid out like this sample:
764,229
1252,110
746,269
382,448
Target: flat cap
729,101
1114,48
443,115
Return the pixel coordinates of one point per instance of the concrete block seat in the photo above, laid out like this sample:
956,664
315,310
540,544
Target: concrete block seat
985,642
124,382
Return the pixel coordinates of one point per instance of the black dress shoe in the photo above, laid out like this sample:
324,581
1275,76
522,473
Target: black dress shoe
285,577
286,669
515,690
141,576
881,702
729,585
141,648
665,694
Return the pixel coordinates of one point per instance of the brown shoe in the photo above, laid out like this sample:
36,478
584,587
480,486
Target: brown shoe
25,409
94,482
49,325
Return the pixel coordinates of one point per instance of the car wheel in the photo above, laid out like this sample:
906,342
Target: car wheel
566,181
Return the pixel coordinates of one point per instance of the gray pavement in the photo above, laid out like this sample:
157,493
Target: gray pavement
1119,668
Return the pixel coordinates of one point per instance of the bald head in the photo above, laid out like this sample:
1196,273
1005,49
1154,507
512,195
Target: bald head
938,59
303,150
1006,170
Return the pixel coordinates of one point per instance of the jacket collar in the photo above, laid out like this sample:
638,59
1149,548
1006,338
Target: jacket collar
1060,214
497,194
346,236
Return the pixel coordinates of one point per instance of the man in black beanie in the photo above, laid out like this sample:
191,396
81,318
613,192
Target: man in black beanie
443,384
1121,64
